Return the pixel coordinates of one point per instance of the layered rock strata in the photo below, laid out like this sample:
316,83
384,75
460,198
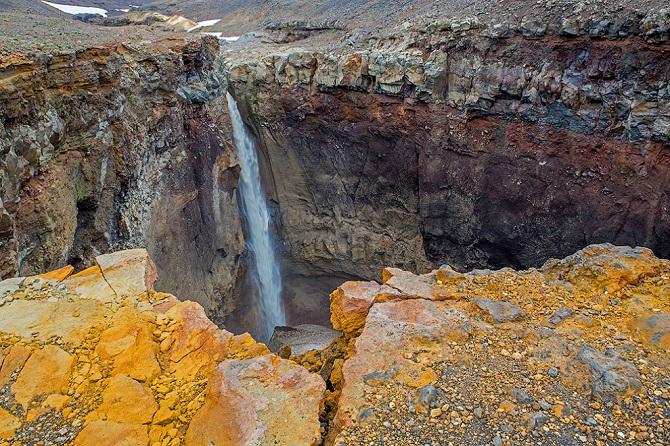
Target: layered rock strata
460,143
115,146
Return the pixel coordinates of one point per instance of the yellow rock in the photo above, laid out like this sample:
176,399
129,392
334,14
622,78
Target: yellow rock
90,284
128,343
56,401
350,304
8,424
59,274
197,344
605,267
45,372
127,401
130,273
263,397
245,347
653,330
16,358
164,415
107,433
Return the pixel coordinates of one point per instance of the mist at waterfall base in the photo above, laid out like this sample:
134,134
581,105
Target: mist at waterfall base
265,269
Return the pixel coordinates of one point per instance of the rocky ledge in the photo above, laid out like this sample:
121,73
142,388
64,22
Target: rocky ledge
99,358
575,352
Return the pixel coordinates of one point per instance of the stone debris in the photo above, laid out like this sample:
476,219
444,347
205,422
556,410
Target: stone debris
439,372
100,359
510,357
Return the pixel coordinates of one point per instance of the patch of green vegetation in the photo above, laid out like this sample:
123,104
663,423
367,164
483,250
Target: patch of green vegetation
61,109
80,189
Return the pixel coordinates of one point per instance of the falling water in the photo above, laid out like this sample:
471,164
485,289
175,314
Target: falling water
268,277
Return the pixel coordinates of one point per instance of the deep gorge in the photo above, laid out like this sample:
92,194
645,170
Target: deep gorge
409,153
335,223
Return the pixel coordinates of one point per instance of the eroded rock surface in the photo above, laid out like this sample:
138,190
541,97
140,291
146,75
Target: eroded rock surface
117,145
101,359
445,371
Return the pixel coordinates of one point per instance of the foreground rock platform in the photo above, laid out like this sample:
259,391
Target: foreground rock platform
575,352
100,359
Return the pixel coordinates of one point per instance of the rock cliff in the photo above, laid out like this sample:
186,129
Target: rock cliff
484,144
116,146
575,352
482,139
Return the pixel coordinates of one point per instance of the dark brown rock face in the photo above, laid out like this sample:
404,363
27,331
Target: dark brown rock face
478,151
114,147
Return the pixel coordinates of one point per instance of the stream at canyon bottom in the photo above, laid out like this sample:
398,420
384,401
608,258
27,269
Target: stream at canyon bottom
265,266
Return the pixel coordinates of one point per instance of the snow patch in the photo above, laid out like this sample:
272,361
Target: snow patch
69,9
204,24
122,10
227,39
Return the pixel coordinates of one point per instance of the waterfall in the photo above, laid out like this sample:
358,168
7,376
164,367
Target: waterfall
266,267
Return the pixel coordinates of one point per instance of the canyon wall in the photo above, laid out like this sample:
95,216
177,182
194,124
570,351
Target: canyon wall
120,146
456,142
463,144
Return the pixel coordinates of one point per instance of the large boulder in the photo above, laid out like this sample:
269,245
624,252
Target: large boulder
263,401
394,332
129,273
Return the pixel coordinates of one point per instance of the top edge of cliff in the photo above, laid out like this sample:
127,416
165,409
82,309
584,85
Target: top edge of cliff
33,28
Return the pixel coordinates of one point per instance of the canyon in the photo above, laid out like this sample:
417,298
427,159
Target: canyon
459,142
427,147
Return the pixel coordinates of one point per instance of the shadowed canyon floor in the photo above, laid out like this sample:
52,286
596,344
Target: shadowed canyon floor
576,352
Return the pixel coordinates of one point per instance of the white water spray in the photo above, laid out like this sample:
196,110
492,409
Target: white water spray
268,277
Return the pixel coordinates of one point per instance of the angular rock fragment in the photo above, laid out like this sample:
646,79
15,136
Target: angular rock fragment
127,401
58,275
500,311
412,286
8,424
264,400
653,330
351,301
537,420
613,378
16,358
560,315
128,343
91,284
196,344
45,372
108,433
129,273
